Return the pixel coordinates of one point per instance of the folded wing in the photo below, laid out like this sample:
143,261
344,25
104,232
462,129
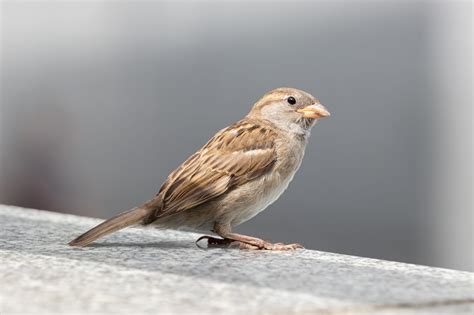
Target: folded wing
238,154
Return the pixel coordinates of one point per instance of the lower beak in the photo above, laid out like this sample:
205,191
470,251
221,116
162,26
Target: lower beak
314,111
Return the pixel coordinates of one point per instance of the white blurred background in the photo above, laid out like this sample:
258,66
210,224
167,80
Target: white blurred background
100,100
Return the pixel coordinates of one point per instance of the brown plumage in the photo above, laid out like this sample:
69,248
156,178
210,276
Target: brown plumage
221,164
235,175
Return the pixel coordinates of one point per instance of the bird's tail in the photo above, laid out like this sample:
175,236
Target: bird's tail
124,219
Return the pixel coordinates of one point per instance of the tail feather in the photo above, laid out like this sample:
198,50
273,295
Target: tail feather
124,219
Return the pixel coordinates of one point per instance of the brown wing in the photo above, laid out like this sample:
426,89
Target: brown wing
235,155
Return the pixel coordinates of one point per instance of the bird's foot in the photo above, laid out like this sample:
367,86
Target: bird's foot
213,242
249,242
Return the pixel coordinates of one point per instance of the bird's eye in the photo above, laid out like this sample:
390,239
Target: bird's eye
291,100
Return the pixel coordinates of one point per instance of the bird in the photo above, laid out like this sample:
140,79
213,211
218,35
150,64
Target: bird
238,173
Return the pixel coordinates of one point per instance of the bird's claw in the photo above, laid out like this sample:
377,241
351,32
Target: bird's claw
215,242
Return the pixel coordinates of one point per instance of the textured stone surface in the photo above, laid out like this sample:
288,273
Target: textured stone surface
148,271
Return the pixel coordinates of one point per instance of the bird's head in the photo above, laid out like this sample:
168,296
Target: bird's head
289,109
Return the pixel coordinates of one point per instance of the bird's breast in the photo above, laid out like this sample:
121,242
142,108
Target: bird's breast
253,197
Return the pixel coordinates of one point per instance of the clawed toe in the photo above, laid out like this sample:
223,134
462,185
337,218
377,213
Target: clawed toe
217,242
210,241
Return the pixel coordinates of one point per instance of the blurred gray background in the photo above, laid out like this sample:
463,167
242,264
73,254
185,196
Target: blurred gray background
100,100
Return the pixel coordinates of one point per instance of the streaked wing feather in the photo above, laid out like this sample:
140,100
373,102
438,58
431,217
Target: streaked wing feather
234,156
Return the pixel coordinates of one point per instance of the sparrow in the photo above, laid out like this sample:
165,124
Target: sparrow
238,173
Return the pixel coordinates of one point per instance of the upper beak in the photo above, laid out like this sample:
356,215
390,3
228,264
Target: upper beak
314,111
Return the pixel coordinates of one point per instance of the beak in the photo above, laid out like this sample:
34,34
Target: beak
314,111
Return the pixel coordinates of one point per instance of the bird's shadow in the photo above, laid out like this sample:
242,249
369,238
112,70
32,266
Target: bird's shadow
160,245
164,244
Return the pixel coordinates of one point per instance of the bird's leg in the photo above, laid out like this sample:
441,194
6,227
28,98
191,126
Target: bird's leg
249,242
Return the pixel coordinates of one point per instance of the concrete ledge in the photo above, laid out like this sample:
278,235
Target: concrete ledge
149,271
